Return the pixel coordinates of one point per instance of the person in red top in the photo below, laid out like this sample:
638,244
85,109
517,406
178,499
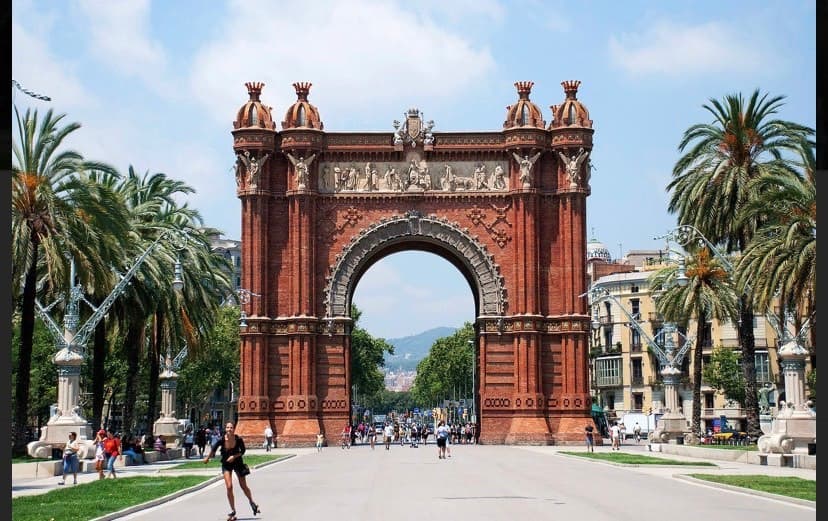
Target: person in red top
112,449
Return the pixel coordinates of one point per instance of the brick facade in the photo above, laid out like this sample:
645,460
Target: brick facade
319,208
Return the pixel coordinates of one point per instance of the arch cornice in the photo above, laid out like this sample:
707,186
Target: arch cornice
413,225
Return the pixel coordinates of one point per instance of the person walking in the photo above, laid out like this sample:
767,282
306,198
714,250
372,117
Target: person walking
388,433
268,432
320,441
112,449
70,459
189,441
100,458
232,450
201,440
615,436
590,442
442,434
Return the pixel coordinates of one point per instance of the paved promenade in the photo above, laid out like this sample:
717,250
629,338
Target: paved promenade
477,483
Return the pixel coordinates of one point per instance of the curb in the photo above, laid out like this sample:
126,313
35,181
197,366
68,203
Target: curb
749,491
157,501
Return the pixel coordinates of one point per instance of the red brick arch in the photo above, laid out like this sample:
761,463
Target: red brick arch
308,235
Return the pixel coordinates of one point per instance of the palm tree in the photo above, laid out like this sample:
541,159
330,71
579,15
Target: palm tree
709,295
56,210
712,185
781,260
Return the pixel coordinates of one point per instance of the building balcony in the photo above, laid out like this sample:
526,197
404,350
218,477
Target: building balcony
609,381
637,380
715,413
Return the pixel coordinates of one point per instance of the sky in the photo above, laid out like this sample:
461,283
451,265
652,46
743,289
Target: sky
156,85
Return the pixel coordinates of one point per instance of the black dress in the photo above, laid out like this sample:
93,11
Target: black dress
238,450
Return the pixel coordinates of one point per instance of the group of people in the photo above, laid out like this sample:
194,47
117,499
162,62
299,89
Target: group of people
617,433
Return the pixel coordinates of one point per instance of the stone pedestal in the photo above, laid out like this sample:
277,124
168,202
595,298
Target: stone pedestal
167,426
673,424
795,424
68,417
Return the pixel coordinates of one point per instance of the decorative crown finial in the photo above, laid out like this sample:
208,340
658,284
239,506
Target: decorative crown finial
302,89
571,87
254,89
524,88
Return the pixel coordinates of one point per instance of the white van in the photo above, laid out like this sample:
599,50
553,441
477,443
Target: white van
646,421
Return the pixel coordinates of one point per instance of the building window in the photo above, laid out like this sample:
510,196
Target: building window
608,371
637,372
708,400
635,339
762,366
638,401
636,308
634,289
707,335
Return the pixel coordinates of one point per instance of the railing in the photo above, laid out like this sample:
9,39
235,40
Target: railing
609,381
656,317
635,347
637,380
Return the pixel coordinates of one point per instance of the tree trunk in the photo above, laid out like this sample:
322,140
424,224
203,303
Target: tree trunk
154,370
748,343
99,352
697,373
132,343
24,355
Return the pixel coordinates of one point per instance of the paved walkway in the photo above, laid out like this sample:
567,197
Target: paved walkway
479,482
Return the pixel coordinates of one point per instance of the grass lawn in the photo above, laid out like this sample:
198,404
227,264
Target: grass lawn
636,459
98,498
251,459
782,485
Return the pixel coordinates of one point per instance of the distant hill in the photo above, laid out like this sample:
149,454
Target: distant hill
409,350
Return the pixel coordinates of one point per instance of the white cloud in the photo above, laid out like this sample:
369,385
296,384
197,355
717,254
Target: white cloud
119,37
377,55
671,49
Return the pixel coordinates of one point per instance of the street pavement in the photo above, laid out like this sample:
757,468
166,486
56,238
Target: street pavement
479,482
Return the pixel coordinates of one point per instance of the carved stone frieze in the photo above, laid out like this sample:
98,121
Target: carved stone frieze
416,175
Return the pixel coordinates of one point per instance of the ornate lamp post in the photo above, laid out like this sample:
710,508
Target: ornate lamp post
167,425
70,342
794,427
673,423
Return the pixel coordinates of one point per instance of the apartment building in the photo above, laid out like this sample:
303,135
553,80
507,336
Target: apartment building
625,374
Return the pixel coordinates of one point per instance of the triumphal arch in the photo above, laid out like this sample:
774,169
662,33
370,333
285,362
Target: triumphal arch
507,208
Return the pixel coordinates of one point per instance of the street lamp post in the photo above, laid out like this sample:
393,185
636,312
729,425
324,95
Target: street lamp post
69,343
673,422
794,428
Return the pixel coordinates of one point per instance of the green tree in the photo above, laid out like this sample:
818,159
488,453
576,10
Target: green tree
447,370
781,260
723,373
712,185
214,366
56,209
708,295
367,358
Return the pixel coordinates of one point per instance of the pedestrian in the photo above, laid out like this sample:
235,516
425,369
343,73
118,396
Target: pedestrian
232,452
320,441
189,441
388,433
615,436
442,439
100,459
201,440
589,440
268,437
70,459
112,449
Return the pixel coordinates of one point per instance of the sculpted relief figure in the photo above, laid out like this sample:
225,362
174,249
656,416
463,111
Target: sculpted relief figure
498,179
480,175
301,166
392,179
252,165
526,163
573,166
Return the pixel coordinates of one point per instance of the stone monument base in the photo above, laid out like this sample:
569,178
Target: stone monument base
791,433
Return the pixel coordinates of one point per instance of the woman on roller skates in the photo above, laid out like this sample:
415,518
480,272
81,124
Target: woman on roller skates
232,450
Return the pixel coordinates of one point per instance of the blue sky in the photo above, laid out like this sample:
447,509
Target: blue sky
157,84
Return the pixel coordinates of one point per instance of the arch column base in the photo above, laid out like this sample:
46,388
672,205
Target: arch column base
298,432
